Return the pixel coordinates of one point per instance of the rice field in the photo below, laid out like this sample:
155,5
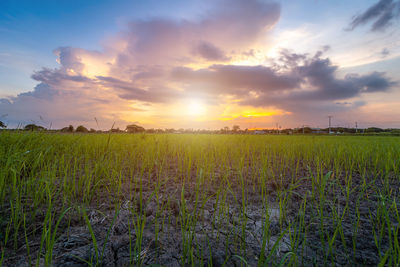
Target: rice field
198,200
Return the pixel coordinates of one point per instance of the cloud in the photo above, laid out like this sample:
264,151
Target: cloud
382,14
233,80
161,41
128,91
159,63
55,76
385,52
42,90
297,79
320,74
210,52
134,66
69,58
64,102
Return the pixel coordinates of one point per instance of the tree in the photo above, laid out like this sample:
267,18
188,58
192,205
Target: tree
225,129
374,130
2,125
81,129
68,129
172,130
235,128
33,127
116,130
133,128
307,130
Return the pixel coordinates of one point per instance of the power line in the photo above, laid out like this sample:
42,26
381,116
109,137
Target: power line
330,117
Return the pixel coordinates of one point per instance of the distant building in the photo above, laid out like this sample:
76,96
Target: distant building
259,132
318,131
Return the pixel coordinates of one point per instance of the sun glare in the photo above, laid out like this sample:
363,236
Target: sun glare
195,107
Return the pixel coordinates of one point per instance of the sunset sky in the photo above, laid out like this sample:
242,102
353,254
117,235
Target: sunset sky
200,64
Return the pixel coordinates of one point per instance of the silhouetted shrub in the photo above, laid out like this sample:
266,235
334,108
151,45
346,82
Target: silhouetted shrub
133,128
33,127
81,129
68,129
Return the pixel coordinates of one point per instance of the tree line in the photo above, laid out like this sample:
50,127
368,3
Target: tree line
133,128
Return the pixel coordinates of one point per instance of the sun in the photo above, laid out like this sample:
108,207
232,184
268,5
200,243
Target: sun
195,107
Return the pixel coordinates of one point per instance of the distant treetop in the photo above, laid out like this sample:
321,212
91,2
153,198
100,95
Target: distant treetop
81,129
133,128
33,127
69,129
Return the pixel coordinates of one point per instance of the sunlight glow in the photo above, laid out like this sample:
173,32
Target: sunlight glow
233,112
195,107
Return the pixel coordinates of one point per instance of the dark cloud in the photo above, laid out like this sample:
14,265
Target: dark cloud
69,58
289,59
352,104
56,76
385,52
127,90
382,13
298,81
42,90
230,25
4,101
320,74
373,82
234,80
210,52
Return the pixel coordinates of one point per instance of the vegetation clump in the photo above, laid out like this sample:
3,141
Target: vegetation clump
33,127
81,129
133,128
68,129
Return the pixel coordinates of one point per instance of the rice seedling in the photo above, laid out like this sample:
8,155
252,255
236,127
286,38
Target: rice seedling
208,200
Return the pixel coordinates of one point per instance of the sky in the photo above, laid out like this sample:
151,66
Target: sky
200,64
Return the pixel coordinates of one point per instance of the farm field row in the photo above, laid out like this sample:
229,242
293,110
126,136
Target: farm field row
198,200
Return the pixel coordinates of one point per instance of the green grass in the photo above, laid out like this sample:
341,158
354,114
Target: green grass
329,192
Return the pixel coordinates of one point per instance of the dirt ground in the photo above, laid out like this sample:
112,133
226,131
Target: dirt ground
216,233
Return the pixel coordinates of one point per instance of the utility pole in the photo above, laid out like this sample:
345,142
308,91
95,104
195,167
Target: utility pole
303,129
330,117
356,127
